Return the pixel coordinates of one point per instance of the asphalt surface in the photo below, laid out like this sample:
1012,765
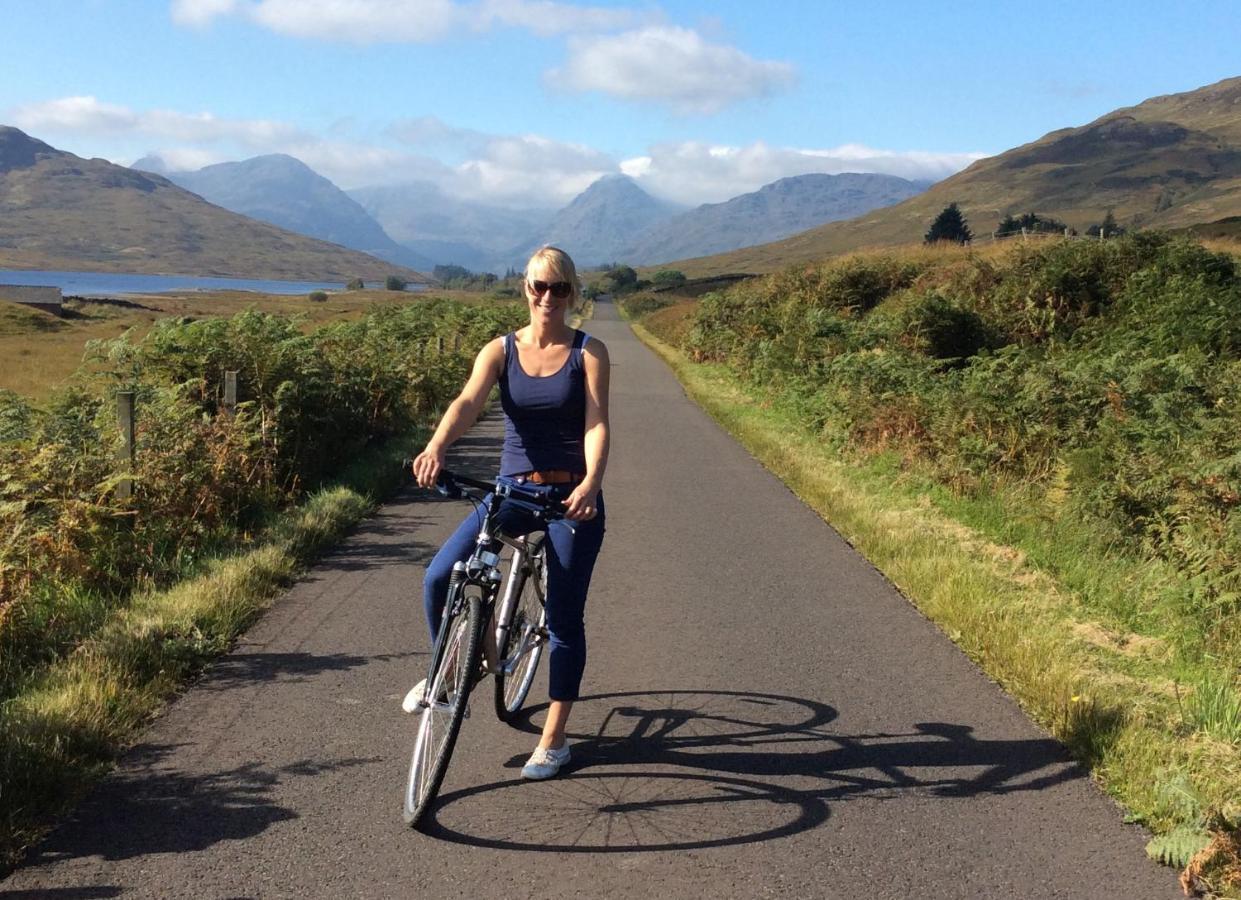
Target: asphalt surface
763,715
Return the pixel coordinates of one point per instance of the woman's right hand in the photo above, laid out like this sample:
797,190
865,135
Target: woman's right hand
427,465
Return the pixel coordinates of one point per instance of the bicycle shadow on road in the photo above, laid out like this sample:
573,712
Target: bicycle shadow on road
685,770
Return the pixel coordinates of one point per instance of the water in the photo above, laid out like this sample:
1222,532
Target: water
117,284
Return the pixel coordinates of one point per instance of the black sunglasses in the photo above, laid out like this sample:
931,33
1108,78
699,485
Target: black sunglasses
559,289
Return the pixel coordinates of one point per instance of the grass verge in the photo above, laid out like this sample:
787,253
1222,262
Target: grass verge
1109,695
66,728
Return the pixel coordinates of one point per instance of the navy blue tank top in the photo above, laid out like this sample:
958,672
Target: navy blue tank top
544,417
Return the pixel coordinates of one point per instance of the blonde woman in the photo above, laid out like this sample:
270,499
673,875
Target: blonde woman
554,392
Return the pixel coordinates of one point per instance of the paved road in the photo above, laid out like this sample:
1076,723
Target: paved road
765,716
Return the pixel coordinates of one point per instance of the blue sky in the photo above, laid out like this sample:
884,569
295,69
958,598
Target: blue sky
527,101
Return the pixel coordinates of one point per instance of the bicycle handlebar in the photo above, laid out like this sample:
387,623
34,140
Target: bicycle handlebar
453,484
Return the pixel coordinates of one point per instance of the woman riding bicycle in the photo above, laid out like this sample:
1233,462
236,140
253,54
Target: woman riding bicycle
554,392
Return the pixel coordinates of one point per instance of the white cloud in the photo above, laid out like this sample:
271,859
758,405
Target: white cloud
185,159
200,12
693,172
87,115
523,171
669,65
75,114
509,169
404,21
432,132
531,170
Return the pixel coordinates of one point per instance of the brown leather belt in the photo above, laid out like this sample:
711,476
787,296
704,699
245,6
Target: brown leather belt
550,476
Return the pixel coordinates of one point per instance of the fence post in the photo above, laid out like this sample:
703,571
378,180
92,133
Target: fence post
1023,235
125,418
1066,231
230,392
439,343
456,342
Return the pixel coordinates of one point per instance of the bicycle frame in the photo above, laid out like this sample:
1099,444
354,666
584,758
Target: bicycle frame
482,570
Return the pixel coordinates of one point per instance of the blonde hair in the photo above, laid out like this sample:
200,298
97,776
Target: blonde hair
559,266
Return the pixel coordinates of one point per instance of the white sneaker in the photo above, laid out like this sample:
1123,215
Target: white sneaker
545,763
413,699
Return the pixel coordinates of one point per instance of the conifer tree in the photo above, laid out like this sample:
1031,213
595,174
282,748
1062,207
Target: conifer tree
949,225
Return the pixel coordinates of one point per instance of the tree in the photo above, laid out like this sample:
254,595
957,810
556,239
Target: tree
447,273
949,225
669,278
1030,222
621,279
355,284
395,283
1107,228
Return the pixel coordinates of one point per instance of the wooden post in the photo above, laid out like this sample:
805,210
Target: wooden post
1066,231
125,418
230,392
456,342
1023,235
439,343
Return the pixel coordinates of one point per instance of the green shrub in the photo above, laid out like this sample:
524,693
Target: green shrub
395,283
355,284
204,477
317,296
1103,376
668,278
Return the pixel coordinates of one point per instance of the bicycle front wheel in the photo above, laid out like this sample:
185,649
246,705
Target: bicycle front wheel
527,636
440,720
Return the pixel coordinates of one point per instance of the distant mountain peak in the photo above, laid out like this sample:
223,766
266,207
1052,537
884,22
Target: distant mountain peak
778,209
19,150
153,163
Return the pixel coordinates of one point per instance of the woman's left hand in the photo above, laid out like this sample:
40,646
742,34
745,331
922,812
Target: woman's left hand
582,504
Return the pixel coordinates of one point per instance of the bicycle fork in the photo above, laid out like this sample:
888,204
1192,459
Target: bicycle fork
453,607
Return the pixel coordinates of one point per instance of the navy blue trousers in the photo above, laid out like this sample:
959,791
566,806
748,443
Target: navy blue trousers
572,548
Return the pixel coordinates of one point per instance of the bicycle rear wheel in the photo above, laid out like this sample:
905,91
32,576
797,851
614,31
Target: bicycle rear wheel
527,636
440,721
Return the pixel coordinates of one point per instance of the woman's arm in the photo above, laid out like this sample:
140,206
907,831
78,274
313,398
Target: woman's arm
462,412
581,504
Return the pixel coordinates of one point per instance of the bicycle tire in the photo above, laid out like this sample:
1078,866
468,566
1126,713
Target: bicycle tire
527,636
439,724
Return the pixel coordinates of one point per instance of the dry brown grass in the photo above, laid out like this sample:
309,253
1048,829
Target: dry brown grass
38,351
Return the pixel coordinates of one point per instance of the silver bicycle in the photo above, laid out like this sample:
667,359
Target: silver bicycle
506,576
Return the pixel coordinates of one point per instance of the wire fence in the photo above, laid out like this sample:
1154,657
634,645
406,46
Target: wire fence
1026,234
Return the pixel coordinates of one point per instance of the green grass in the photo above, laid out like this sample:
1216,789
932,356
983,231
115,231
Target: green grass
70,720
1039,609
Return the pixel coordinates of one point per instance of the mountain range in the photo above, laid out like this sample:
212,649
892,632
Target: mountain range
614,219
479,236
64,212
284,191
774,211
1169,162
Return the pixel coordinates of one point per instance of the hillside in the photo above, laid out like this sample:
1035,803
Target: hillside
64,212
774,211
1168,162
284,191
